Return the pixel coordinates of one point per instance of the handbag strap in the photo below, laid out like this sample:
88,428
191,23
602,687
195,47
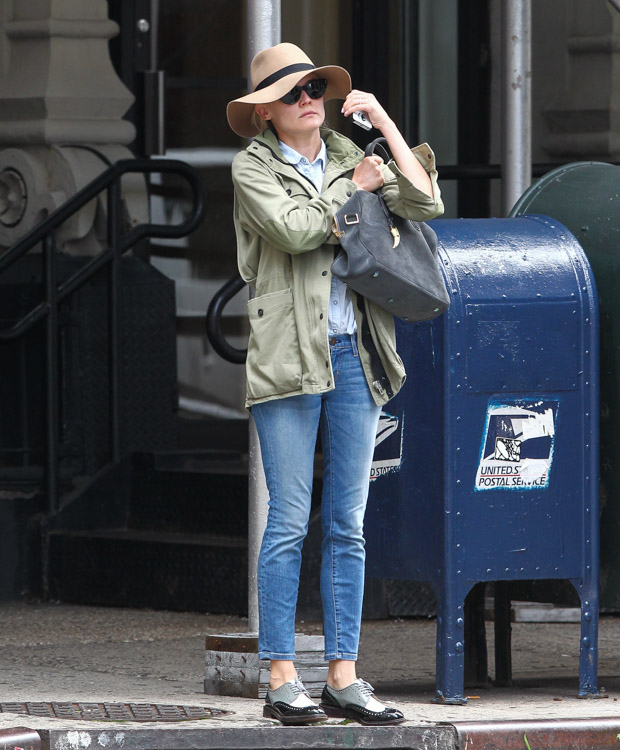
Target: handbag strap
378,144
371,148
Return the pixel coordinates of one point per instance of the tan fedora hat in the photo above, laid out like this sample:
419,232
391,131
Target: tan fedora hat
274,72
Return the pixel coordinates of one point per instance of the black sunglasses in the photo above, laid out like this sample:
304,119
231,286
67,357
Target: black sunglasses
314,88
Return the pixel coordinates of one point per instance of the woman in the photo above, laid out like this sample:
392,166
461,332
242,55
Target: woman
318,355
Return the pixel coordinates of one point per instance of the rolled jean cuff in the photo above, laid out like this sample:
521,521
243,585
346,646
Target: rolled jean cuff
343,656
274,656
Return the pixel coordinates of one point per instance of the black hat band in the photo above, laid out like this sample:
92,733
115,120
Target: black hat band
296,68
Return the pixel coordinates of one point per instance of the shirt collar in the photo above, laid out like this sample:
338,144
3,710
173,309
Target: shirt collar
294,157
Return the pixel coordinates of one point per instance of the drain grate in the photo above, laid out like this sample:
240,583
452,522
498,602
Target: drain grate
113,711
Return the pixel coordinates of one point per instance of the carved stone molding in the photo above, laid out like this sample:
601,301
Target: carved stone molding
61,110
57,84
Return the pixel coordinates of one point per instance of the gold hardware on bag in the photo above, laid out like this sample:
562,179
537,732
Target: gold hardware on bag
336,229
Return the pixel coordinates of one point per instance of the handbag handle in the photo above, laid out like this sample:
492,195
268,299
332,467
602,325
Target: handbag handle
375,145
370,149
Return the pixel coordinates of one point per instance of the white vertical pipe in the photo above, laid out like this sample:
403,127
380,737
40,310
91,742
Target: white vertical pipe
264,30
264,26
516,101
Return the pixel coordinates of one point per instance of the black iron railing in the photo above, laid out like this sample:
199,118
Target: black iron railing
213,321
47,311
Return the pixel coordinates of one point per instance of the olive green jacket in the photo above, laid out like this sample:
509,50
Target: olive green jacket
285,248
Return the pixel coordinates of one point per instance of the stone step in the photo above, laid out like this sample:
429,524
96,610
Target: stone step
154,569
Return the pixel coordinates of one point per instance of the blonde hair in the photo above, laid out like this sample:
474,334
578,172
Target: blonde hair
261,124
258,122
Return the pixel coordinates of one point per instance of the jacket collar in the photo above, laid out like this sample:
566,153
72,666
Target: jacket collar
341,151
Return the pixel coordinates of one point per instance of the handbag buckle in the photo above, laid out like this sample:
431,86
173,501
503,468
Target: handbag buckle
351,219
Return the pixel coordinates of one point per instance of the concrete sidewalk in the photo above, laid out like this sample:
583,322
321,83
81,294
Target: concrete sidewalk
51,653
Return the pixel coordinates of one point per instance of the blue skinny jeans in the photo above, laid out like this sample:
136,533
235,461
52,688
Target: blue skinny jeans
287,430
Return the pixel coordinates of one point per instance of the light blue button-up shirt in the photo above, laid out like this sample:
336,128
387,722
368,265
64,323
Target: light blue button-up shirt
340,318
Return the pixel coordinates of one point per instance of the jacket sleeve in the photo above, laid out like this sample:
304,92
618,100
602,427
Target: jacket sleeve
406,200
265,207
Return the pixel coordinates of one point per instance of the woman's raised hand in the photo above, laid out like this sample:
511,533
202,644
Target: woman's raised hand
362,101
367,175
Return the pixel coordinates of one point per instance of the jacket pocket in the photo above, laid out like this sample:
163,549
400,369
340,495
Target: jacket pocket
273,365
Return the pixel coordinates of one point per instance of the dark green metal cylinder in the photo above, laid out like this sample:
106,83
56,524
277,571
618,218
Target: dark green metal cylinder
585,198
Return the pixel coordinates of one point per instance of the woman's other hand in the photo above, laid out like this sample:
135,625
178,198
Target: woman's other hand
368,175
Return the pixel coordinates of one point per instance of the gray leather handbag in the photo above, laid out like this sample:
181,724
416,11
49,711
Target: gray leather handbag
389,260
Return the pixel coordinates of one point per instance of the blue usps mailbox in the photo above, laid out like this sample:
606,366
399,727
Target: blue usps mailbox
486,465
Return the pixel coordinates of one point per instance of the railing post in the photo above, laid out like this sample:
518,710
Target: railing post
114,313
51,372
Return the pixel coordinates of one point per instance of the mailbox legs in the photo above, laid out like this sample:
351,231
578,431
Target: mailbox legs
450,643
450,667
588,644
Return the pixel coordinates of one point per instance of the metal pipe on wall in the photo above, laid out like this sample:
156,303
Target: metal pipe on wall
516,101
264,26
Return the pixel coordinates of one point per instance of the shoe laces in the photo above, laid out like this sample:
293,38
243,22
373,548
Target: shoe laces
366,689
298,688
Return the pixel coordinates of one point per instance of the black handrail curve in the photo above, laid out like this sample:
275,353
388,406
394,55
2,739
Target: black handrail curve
213,321
119,244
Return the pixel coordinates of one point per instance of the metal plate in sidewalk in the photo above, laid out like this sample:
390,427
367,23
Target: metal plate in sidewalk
551,734
143,712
